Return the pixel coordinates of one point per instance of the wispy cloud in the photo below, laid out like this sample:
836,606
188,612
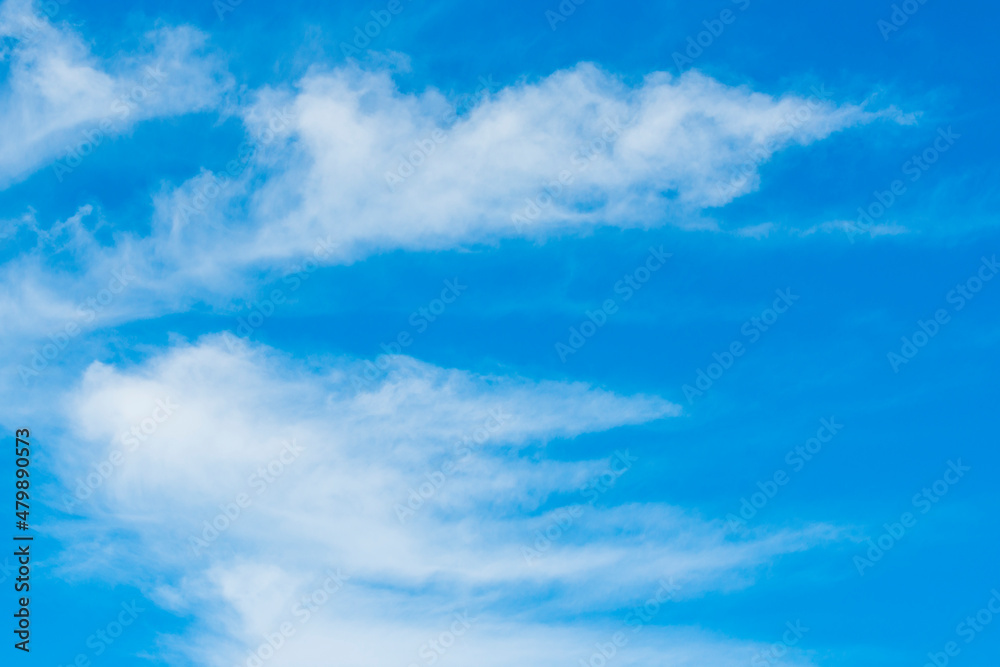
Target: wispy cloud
59,101
575,149
363,450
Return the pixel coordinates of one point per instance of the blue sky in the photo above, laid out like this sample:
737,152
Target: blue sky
479,338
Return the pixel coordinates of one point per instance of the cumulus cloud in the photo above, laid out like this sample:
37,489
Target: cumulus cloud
59,100
236,481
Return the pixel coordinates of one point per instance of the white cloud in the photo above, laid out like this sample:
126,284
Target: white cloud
763,230
366,448
313,172
644,155
59,100
854,229
318,172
